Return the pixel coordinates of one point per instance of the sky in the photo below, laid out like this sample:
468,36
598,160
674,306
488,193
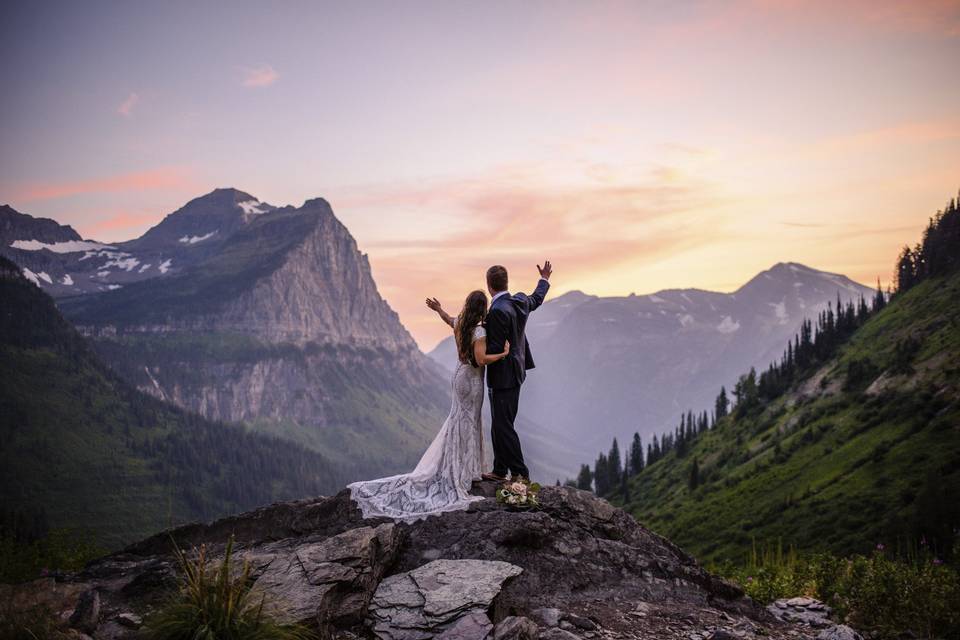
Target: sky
637,145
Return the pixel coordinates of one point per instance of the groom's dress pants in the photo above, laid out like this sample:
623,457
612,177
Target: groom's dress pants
507,455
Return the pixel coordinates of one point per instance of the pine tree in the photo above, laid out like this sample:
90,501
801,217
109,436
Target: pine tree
625,487
694,479
614,463
722,405
636,455
585,478
601,486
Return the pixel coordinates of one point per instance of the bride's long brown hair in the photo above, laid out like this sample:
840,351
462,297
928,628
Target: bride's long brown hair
472,314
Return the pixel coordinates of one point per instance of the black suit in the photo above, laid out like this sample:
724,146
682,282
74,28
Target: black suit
507,320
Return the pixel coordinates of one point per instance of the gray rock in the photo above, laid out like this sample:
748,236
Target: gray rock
86,616
131,620
473,626
556,633
431,598
546,616
516,628
807,611
331,581
580,622
721,634
839,632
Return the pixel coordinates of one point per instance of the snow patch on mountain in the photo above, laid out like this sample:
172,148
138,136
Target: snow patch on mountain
728,325
686,320
165,265
250,207
68,246
144,268
196,239
67,280
780,310
123,261
31,276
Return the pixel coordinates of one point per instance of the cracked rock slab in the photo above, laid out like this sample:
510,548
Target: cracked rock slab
432,598
332,580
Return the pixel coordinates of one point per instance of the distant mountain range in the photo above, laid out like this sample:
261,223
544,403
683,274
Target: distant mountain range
610,366
242,311
245,312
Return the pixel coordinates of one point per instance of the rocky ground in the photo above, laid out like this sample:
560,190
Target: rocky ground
576,569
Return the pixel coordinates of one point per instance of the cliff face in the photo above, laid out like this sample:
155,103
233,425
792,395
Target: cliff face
280,327
578,569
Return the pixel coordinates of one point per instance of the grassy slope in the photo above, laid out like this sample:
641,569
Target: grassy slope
96,454
852,468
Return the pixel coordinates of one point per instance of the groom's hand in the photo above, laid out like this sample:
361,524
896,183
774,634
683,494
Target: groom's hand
546,270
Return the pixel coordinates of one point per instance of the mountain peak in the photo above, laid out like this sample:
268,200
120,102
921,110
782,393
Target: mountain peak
222,196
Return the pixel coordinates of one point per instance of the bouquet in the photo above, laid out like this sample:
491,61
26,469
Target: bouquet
521,494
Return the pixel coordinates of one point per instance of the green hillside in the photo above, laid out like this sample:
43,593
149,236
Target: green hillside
853,440
81,448
839,464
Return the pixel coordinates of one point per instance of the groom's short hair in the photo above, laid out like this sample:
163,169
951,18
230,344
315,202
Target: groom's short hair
497,278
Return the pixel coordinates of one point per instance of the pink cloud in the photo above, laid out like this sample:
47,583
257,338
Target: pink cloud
163,178
127,106
260,76
119,221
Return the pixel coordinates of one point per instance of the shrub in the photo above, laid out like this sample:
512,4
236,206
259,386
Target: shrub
61,550
878,593
217,604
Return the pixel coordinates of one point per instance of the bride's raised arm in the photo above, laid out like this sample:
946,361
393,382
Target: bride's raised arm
434,304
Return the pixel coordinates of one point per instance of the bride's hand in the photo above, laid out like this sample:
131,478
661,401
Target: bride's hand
434,304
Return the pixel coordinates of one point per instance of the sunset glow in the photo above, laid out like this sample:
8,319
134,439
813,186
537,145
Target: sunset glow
638,146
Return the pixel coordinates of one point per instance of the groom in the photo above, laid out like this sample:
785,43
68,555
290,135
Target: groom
507,320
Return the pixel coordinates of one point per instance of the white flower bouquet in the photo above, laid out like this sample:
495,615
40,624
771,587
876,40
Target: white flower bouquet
520,494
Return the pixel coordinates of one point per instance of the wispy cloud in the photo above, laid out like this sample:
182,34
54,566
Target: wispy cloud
119,221
587,229
162,178
260,76
129,104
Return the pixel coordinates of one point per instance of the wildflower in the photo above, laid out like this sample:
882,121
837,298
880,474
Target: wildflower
923,541
880,546
749,578
937,561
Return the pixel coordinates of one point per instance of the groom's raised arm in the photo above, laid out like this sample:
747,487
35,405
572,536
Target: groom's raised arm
497,331
536,298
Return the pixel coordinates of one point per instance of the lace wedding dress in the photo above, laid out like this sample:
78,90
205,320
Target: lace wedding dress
441,481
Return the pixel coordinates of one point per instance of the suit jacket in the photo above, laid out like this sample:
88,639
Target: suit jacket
507,320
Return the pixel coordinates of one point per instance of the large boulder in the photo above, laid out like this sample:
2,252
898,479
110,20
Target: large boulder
428,600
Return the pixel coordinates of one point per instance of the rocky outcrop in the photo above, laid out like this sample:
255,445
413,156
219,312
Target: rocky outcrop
578,569
812,613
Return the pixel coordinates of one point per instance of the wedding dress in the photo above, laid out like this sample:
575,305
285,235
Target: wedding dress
441,480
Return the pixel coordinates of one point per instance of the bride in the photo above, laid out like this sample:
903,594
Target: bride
441,480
